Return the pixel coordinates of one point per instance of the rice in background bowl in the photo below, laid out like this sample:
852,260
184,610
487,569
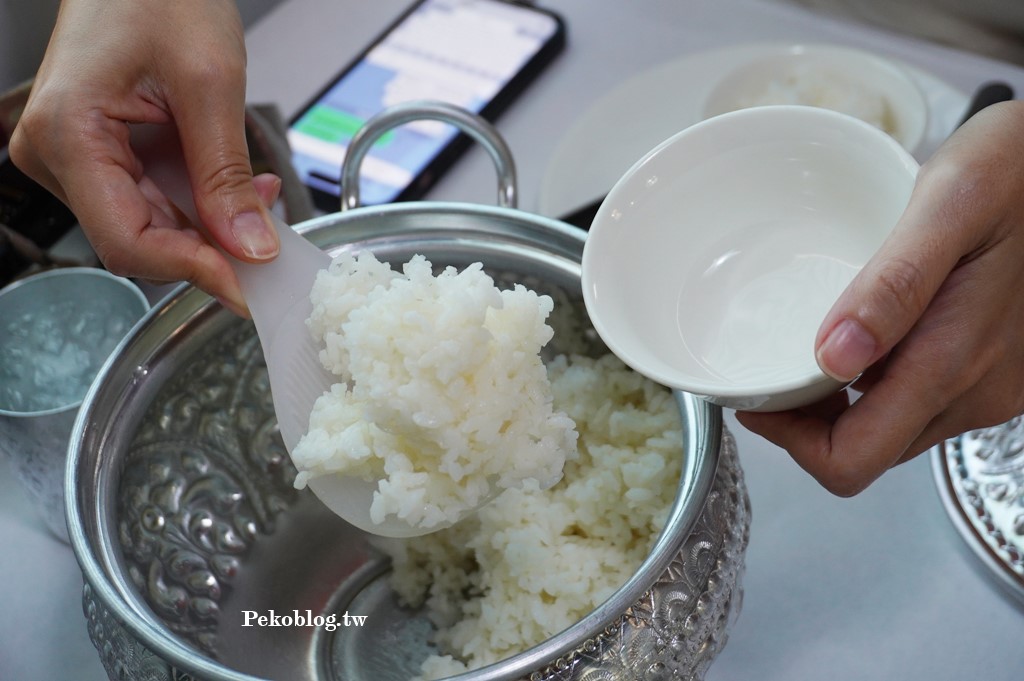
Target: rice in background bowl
185,522
845,79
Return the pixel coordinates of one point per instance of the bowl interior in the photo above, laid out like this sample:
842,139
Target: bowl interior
56,329
852,81
714,259
185,518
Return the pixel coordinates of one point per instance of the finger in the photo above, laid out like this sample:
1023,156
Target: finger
809,441
870,377
847,450
789,427
189,255
957,369
803,435
795,428
894,288
268,188
197,260
133,227
928,371
993,400
212,133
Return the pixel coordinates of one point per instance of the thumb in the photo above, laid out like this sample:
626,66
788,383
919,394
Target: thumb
212,134
893,290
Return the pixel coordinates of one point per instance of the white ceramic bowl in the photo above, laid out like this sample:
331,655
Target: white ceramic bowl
844,79
713,261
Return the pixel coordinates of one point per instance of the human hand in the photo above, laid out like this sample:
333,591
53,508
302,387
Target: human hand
935,321
112,63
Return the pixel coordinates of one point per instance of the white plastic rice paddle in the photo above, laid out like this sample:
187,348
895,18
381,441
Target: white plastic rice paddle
277,294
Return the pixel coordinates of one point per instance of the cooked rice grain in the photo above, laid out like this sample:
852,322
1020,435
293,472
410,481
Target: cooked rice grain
442,395
535,561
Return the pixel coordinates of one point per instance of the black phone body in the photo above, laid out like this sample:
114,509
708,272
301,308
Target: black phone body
477,54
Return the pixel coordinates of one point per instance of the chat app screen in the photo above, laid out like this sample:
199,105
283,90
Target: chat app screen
459,51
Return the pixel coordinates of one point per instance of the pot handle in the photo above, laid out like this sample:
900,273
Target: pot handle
399,114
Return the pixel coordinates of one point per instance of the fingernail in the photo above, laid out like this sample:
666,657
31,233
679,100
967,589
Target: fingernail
254,236
847,351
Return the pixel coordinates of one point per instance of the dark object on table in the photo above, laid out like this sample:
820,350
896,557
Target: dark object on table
31,218
583,216
987,95
31,221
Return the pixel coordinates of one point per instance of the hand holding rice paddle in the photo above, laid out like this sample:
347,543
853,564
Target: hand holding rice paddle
429,396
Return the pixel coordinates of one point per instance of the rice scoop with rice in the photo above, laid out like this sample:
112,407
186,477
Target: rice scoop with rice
441,396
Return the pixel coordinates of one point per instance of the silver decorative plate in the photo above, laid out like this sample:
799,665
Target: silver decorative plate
980,476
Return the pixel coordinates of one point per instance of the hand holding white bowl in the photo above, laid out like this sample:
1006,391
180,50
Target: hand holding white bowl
935,320
712,262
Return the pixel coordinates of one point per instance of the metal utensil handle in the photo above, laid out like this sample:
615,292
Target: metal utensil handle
399,114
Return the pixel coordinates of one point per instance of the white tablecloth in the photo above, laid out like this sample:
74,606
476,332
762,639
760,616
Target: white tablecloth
875,587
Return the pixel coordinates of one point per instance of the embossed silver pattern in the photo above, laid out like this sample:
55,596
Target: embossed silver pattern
183,514
676,629
980,476
197,492
204,478
122,655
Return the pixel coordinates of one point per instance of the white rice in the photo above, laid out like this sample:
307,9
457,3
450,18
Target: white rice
810,87
442,395
535,561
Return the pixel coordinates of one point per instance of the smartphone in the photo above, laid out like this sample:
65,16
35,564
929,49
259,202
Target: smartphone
477,54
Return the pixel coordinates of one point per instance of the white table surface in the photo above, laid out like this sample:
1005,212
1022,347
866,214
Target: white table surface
875,587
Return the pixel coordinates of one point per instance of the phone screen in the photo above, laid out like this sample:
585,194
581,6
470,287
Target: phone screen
471,53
